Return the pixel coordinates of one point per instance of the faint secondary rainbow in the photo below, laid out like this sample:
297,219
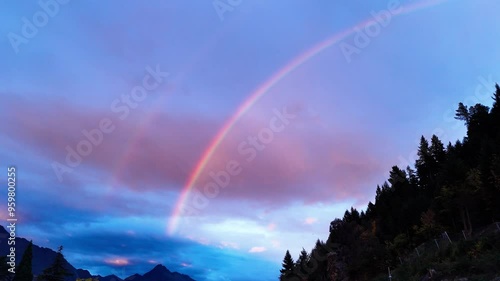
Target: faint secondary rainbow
127,156
259,92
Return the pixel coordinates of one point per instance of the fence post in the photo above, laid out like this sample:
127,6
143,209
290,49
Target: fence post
448,237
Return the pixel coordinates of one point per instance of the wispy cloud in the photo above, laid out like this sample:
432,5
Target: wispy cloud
257,250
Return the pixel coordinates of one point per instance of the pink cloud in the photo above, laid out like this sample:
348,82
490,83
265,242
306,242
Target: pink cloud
231,245
276,243
271,226
317,166
131,152
117,261
257,250
312,168
310,220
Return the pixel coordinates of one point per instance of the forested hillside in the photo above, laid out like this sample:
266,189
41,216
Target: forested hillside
452,187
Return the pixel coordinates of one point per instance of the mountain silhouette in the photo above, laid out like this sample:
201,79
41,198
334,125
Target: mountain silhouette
43,258
84,274
111,277
159,273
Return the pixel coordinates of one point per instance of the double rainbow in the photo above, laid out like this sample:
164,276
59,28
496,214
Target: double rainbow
262,90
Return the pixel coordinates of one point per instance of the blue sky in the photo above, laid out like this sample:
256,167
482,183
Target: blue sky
354,118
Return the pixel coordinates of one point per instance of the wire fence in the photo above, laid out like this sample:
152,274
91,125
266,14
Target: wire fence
445,240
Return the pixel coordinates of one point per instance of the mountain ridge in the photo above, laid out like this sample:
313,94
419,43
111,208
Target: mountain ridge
43,257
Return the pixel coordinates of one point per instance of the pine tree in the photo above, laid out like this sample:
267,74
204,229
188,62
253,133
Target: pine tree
462,114
479,121
4,269
495,110
397,176
23,270
370,211
437,150
55,272
318,261
412,176
301,264
438,156
495,163
423,163
288,267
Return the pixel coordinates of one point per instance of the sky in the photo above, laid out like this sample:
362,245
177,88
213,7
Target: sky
213,136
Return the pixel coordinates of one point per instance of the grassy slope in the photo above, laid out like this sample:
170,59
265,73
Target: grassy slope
477,260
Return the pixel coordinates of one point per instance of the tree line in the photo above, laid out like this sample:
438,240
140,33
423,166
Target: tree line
453,187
